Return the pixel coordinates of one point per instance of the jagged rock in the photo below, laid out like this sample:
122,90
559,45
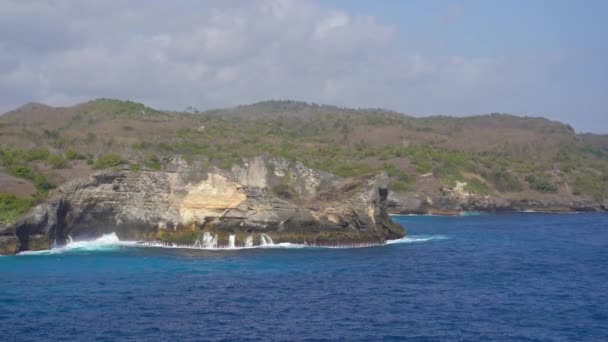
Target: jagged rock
453,200
9,244
182,202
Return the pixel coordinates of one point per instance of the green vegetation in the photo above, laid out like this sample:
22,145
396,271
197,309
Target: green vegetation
11,207
119,109
36,154
284,191
153,163
108,160
541,183
345,142
505,181
476,186
57,161
592,184
16,163
73,155
400,181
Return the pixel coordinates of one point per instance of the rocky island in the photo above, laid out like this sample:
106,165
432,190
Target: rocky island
263,199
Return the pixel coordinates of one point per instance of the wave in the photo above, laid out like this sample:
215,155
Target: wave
284,245
474,213
106,242
111,242
416,238
530,211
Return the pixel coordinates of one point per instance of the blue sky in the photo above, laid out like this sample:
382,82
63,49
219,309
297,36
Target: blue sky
536,58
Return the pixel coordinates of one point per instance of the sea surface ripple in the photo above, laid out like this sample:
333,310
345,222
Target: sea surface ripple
527,277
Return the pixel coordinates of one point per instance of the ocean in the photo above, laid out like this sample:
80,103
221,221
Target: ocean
524,277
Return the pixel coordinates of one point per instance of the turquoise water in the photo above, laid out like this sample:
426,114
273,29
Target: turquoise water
536,277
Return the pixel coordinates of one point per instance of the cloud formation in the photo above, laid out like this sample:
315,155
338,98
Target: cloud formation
221,53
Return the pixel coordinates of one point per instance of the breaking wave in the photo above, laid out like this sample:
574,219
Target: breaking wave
106,242
416,238
111,242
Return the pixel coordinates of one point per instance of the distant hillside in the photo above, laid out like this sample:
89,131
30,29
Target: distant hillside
499,154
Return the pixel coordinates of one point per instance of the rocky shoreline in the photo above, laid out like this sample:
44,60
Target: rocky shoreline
456,200
286,201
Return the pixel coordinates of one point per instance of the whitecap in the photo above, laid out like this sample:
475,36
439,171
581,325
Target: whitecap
104,243
416,238
109,242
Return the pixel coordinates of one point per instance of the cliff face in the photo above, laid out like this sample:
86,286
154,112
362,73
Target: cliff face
452,201
286,201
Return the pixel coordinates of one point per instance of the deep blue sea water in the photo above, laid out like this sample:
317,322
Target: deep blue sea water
526,277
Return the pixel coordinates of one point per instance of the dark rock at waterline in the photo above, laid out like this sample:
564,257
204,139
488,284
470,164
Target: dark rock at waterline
285,200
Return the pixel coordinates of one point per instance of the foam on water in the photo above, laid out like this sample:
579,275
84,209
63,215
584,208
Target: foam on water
105,243
416,238
473,213
109,242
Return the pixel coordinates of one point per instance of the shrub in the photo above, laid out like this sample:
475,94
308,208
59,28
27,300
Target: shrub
39,154
11,207
397,185
541,183
349,169
73,155
423,166
152,162
57,161
400,181
591,185
108,160
478,187
21,171
42,184
505,181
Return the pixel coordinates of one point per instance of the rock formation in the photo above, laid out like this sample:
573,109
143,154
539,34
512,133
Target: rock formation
286,201
456,199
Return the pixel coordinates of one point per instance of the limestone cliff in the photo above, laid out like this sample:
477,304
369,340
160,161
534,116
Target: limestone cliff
454,200
284,200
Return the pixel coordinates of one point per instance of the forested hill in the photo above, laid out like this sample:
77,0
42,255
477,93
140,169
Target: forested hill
498,154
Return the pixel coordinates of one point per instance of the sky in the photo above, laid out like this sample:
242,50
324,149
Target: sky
536,58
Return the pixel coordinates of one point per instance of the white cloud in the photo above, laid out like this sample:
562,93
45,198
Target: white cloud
219,53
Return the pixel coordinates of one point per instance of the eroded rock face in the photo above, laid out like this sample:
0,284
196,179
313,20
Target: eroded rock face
454,200
179,205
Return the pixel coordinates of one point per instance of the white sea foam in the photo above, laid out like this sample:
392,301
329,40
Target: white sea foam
473,213
105,242
416,238
529,211
111,241
283,245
